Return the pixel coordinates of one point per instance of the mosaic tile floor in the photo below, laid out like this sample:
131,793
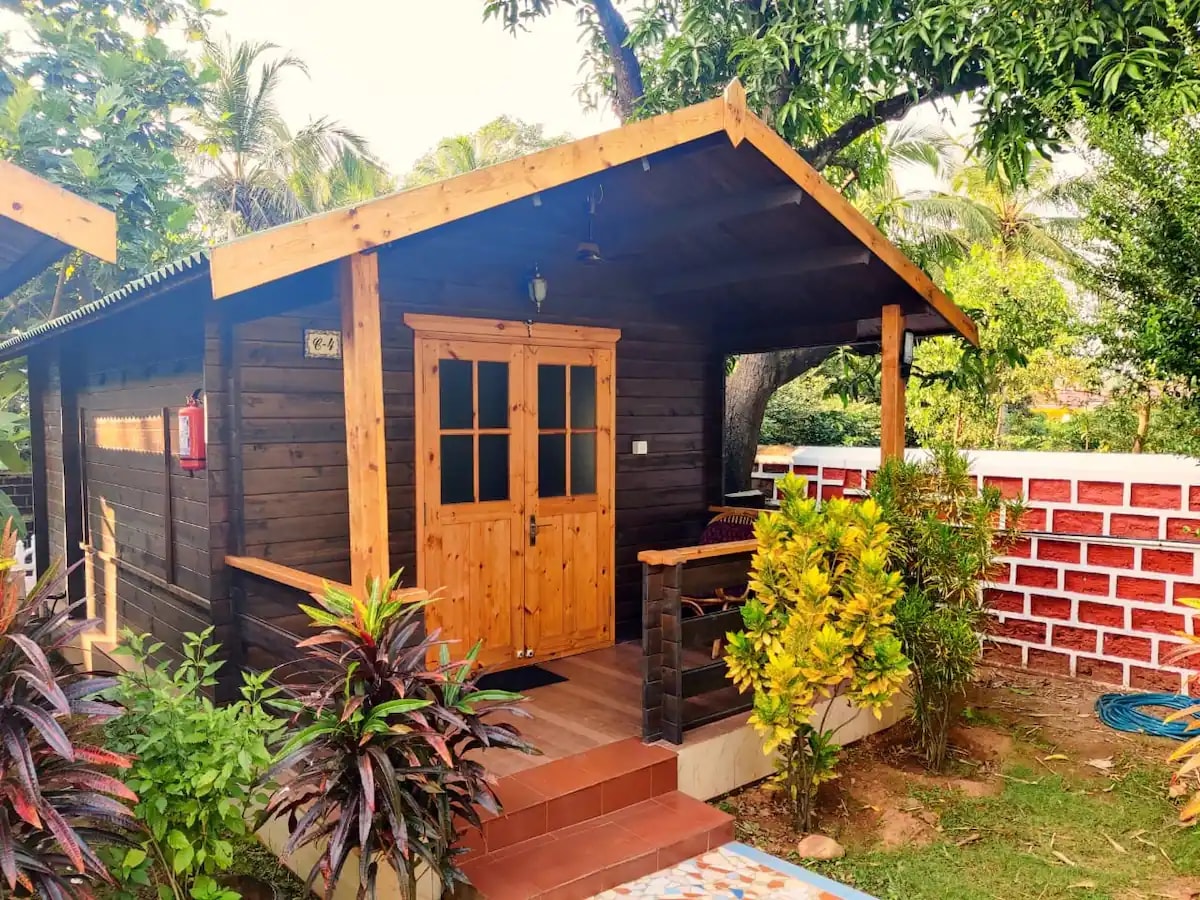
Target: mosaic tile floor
733,872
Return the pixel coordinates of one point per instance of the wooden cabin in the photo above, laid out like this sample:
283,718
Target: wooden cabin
509,384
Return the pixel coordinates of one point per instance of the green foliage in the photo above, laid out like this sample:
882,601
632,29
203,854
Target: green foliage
197,764
59,805
944,540
1145,217
1028,338
827,73
501,139
255,172
384,754
803,413
94,100
818,625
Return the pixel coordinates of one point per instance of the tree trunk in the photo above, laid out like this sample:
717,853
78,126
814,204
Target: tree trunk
755,378
627,71
1143,425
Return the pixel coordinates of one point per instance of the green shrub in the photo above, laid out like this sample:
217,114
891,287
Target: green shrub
384,754
196,764
946,538
819,621
59,805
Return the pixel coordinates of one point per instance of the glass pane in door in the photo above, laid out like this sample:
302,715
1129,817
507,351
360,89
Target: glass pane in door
583,397
583,462
493,467
552,396
458,468
552,465
493,395
455,399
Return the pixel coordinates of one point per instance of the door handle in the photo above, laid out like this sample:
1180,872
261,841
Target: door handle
533,530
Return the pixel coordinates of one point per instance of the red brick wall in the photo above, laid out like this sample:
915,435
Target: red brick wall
1093,589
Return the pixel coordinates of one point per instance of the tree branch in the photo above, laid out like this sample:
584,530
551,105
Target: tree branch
627,71
822,153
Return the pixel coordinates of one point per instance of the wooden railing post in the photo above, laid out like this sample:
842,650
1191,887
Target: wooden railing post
672,647
652,655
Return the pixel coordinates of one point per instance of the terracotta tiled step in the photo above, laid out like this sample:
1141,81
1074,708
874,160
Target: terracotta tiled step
581,860
568,791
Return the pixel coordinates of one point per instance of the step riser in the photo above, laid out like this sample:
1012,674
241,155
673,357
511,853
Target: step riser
570,791
639,867
585,859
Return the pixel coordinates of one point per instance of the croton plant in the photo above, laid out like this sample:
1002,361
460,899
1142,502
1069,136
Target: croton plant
58,802
382,756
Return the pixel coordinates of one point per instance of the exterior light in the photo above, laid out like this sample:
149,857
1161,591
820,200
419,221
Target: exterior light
907,347
537,288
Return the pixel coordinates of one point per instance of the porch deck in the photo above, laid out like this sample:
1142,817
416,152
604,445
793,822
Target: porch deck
600,703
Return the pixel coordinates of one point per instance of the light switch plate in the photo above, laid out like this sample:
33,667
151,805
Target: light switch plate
641,448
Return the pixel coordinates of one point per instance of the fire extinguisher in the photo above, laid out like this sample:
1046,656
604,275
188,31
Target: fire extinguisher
191,435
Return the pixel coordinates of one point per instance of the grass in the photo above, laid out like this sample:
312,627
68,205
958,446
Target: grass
1007,847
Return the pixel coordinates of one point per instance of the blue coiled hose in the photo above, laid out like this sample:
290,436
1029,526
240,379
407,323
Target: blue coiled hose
1124,713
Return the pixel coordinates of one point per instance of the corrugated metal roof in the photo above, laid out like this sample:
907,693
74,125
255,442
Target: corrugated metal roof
197,262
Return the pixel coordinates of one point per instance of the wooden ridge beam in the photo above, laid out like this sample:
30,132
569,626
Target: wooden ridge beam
757,269
57,213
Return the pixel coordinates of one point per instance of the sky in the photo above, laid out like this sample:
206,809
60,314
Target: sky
405,73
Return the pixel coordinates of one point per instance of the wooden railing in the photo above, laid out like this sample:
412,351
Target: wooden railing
303,581
683,685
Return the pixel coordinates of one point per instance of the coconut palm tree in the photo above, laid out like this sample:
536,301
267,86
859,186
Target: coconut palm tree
254,171
1038,217
501,139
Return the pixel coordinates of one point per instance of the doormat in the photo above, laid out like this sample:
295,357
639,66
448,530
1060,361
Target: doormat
519,680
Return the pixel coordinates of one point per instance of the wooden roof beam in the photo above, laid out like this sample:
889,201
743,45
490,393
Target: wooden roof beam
784,156
57,213
696,216
757,269
269,255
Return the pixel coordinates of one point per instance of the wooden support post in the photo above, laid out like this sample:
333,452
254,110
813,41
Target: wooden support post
362,369
891,430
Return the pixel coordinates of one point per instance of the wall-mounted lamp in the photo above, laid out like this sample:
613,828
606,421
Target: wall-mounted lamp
908,346
537,288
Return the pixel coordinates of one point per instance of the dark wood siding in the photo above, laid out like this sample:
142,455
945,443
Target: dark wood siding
51,403
669,393
146,519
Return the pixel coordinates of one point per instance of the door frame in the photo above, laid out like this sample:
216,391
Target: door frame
500,331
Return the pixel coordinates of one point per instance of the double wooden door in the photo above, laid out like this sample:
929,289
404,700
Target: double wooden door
515,485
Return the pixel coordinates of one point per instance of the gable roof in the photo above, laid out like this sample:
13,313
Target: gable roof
268,256
40,223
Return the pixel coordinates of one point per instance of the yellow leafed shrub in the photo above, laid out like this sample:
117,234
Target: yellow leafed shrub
818,623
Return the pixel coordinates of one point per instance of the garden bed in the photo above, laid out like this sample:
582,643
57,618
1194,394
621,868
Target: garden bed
1040,801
